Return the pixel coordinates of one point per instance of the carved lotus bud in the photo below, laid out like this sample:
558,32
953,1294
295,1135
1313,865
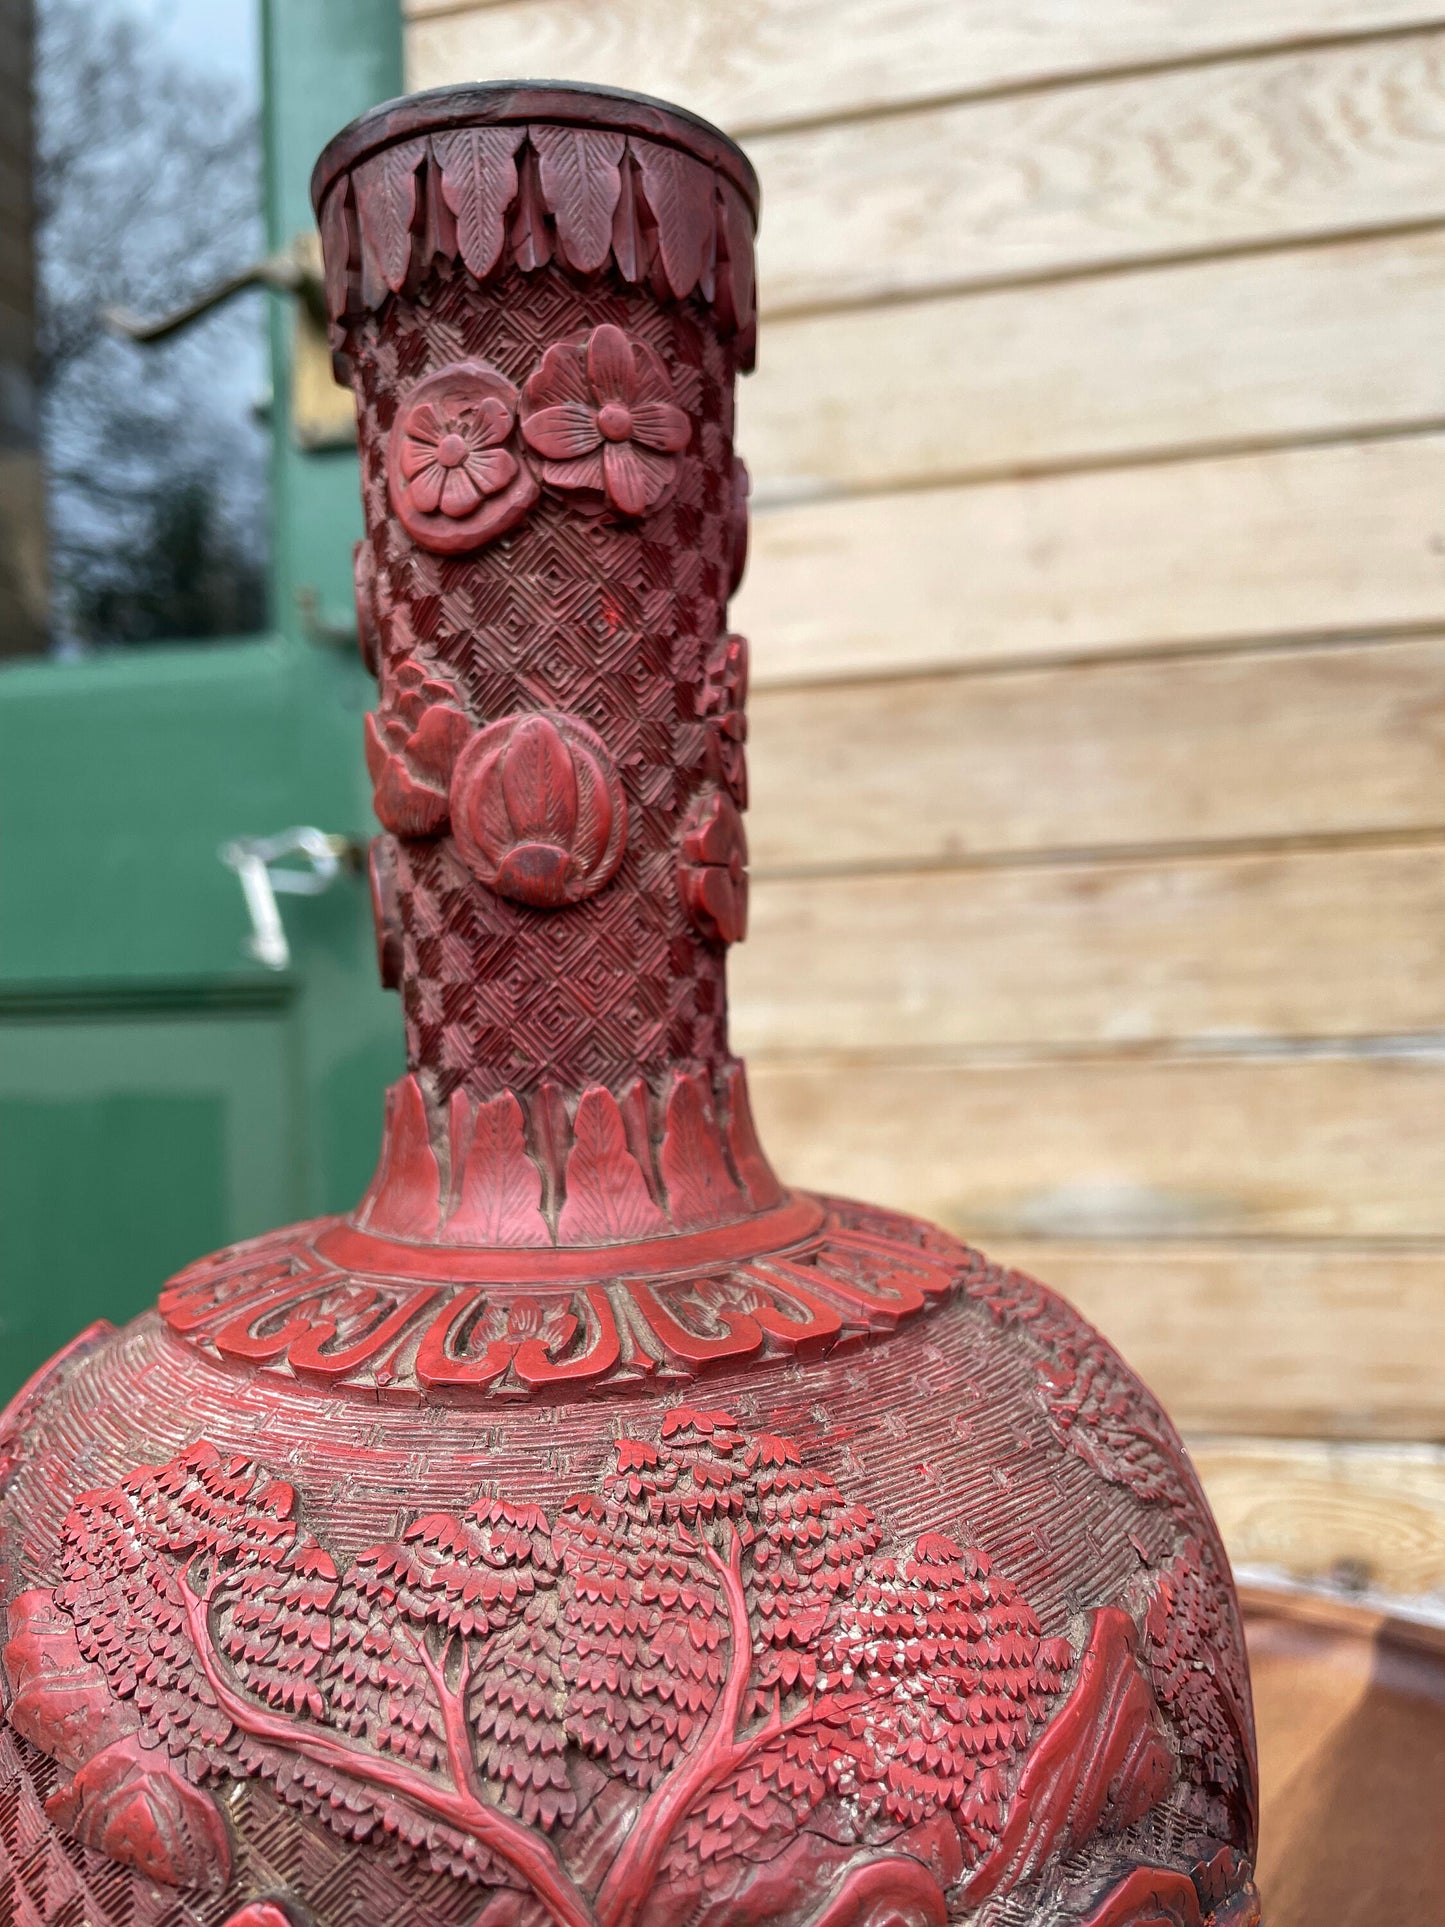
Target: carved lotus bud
713,868
602,415
412,745
537,810
453,483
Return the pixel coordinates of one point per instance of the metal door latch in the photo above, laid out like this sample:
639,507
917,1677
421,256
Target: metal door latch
322,414
258,862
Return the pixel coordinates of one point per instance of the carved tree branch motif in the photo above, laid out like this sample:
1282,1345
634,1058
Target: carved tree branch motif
516,1846
714,1628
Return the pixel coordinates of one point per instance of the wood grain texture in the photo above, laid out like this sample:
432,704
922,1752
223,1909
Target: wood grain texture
1307,342
1288,1339
1296,542
1166,164
1120,1148
1334,943
756,62
931,769
1365,1518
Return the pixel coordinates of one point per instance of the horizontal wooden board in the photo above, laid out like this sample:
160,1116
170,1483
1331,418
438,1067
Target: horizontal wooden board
929,769
1332,943
1356,1518
1294,542
1262,348
1122,1148
756,62
1189,162
1289,1339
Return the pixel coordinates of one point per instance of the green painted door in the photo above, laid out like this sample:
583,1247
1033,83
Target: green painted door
162,1092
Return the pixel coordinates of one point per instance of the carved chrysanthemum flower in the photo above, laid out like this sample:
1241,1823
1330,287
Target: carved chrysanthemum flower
452,457
601,415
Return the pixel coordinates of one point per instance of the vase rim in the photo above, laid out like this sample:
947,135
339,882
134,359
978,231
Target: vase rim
499,103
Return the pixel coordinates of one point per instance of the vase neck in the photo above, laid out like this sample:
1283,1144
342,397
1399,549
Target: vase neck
554,522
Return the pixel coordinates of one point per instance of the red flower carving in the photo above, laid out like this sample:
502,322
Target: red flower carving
453,457
724,703
602,416
453,483
411,749
712,868
537,810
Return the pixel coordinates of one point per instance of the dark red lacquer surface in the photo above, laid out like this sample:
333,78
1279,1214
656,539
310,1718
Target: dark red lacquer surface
588,1529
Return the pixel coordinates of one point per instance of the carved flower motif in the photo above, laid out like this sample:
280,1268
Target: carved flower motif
712,868
453,483
411,750
724,704
537,810
602,416
452,457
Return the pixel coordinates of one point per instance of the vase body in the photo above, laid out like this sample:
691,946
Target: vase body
587,1528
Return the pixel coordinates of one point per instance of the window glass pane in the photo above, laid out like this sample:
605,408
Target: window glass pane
148,193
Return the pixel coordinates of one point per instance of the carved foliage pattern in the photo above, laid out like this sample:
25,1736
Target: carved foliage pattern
498,197
282,1304
712,1634
549,1171
1101,1412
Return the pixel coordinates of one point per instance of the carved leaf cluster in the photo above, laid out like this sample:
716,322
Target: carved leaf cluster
1099,1411
714,1627
125,1554
1199,1672
1097,1408
496,196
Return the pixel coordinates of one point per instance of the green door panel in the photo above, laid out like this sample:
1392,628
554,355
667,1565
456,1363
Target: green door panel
149,1139
160,1091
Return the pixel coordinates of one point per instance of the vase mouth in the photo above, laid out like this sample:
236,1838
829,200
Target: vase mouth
500,103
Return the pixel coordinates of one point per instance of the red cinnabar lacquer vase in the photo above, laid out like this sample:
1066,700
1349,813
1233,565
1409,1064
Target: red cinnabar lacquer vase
587,1528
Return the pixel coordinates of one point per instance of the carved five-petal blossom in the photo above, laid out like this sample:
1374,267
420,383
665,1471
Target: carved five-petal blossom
601,414
451,457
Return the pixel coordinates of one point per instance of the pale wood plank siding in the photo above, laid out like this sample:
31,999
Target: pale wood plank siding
1121,1146
1125,952
1324,341
1308,1319
754,63
1097,599
1340,540
1297,743
1241,154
